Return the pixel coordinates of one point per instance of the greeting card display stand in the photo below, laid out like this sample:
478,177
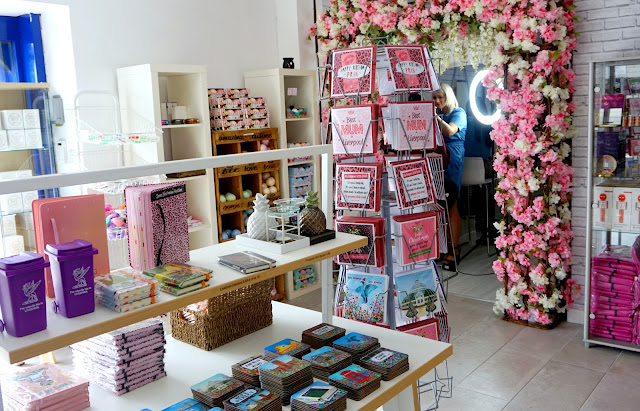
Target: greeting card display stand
441,383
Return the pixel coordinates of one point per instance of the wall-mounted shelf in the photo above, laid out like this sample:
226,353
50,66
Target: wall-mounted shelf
23,86
170,126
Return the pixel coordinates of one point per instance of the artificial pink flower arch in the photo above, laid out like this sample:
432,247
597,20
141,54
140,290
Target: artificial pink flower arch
528,45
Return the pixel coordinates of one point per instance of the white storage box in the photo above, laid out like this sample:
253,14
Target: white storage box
11,203
16,139
31,118
12,119
27,198
33,138
8,175
4,141
8,225
12,245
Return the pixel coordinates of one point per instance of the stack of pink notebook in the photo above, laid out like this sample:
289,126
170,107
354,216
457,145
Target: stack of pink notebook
125,359
613,303
157,225
45,387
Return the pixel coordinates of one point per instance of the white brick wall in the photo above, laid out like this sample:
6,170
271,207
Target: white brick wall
608,29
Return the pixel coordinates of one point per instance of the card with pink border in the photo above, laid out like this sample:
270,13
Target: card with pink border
409,68
413,183
358,186
354,130
353,71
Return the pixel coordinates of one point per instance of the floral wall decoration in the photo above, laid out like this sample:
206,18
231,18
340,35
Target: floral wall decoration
527,45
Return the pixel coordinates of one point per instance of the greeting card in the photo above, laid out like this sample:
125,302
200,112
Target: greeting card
365,297
372,227
358,186
416,237
353,71
416,293
413,125
354,130
413,183
409,68
428,328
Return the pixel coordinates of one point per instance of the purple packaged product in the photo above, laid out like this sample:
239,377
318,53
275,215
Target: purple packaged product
117,372
131,332
121,391
148,346
107,363
106,359
72,274
129,345
22,294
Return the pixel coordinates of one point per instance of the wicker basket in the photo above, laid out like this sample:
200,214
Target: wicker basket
227,318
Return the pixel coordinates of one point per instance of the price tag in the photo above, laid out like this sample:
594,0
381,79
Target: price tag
292,91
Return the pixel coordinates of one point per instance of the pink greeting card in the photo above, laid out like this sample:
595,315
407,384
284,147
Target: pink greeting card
413,183
354,130
353,71
358,186
409,68
418,130
428,328
418,237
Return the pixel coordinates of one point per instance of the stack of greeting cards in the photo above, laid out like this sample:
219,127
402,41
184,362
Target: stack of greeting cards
157,224
179,279
319,396
285,376
354,129
417,294
125,290
358,186
411,68
287,347
365,297
44,387
417,237
190,404
214,390
255,399
326,361
410,125
371,227
385,362
123,360
247,370
356,344
322,335
413,183
358,382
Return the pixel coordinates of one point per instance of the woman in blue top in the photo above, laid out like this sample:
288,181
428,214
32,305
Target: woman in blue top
453,123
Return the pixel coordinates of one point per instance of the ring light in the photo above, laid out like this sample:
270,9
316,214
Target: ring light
483,118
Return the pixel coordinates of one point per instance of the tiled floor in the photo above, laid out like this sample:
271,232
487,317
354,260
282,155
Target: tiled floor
497,365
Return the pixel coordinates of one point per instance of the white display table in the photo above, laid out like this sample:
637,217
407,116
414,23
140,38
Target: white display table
187,365
62,331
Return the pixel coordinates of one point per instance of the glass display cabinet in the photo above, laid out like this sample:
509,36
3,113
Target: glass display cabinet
612,288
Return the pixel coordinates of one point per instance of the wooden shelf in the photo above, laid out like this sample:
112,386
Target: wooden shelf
298,119
62,331
300,163
185,179
181,125
187,365
23,86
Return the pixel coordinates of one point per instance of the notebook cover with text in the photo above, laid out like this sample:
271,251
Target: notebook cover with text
77,217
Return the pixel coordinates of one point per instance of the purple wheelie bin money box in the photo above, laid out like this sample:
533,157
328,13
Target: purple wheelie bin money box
22,294
72,275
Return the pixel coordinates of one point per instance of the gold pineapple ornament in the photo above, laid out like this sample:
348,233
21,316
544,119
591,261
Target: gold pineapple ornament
312,219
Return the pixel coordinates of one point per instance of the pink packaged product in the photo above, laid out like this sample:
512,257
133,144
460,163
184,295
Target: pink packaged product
228,114
258,123
106,362
256,112
117,372
254,102
128,345
42,386
121,391
225,125
228,103
133,331
217,92
121,359
71,404
120,353
237,92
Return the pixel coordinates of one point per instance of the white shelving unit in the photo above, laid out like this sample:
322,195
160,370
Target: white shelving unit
274,85
141,89
183,360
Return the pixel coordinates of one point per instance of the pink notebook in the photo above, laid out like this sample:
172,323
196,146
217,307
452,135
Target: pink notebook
78,217
157,225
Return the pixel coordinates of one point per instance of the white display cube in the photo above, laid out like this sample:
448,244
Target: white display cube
4,141
12,119
16,139
12,245
27,198
273,247
25,221
7,175
33,138
31,118
9,225
11,203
